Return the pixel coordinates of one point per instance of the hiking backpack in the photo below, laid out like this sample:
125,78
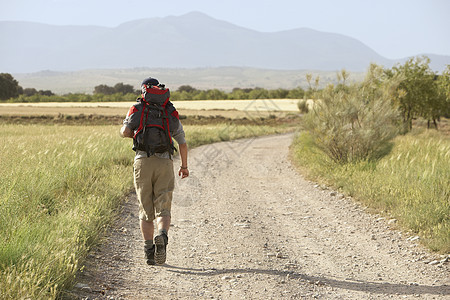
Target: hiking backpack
157,120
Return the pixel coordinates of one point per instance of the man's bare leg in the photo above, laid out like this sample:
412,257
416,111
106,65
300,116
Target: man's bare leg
163,223
147,229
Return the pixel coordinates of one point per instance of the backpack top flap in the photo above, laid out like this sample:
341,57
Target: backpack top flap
156,94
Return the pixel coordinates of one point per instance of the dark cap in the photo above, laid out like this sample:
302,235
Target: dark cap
150,81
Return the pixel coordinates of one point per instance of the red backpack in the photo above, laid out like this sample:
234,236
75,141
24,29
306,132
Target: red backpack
158,119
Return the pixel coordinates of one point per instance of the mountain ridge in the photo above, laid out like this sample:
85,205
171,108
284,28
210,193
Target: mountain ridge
193,40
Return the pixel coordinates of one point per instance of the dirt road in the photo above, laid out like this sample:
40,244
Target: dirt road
246,225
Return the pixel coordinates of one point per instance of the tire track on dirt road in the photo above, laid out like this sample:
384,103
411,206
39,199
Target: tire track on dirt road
247,225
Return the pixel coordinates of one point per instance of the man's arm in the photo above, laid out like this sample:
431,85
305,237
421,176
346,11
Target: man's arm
184,172
125,131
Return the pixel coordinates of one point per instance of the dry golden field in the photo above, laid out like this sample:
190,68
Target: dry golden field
119,108
193,112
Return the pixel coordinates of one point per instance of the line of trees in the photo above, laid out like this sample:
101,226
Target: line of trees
187,92
125,92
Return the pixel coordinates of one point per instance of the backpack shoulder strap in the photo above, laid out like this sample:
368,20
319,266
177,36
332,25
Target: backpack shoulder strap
140,108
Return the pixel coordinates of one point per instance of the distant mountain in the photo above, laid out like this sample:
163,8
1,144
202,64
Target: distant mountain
194,40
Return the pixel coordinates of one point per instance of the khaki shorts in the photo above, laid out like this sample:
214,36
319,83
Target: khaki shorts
154,183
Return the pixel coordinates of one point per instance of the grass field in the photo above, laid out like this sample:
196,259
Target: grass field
410,184
60,187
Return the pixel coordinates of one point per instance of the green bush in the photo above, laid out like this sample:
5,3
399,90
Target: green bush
356,122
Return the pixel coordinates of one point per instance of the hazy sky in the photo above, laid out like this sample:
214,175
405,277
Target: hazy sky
393,28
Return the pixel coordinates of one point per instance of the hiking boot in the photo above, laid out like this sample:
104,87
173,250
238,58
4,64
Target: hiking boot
161,241
150,255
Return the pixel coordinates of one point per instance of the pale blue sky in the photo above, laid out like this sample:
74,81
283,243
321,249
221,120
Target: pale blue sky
393,28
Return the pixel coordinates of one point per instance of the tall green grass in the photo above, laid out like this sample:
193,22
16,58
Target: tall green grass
60,186
411,183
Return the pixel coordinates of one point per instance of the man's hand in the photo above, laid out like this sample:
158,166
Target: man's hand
183,172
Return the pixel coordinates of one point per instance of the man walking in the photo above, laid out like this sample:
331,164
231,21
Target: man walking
152,123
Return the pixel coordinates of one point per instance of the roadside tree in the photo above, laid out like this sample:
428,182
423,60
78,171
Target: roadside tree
9,87
443,83
417,94
122,88
104,89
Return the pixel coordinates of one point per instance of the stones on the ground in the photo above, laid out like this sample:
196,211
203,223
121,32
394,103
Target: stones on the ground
434,262
392,221
317,282
117,257
289,265
84,287
333,194
280,255
226,277
413,238
242,225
